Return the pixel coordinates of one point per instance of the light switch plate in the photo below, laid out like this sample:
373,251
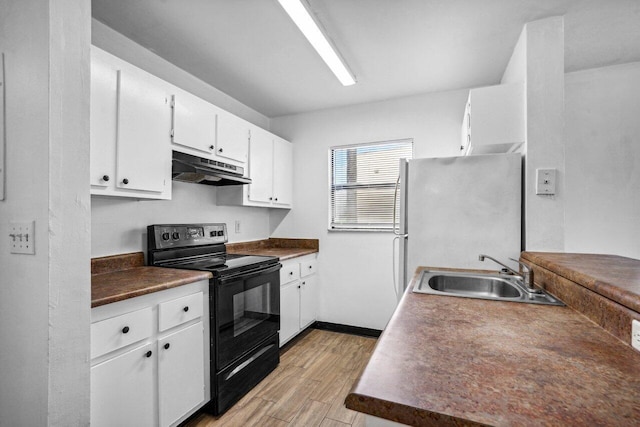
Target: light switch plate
22,237
546,181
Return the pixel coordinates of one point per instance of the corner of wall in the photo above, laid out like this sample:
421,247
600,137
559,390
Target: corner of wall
544,140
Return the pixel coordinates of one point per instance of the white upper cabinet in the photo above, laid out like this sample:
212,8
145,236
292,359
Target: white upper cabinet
271,173
104,111
194,123
130,130
494,120
232,139
282,172
261,167
202,129
144,125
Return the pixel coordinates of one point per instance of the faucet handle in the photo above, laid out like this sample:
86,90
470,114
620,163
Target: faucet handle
528,277
522,264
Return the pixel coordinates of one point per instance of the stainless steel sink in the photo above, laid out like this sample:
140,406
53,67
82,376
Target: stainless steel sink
491,286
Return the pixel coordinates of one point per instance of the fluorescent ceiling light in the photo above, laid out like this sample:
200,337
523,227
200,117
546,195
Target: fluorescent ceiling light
311,30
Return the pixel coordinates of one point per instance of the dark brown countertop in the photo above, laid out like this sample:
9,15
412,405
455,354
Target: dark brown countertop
459,361
614,277
282,248
120,277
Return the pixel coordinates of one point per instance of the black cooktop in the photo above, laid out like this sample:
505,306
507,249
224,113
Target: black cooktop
220,264
199,247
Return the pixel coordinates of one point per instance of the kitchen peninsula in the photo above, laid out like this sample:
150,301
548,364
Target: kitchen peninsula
459,361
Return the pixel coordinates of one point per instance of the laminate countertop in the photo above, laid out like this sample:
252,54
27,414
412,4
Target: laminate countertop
119,277
459,361
279,247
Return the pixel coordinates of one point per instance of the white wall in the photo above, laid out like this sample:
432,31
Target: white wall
538,61
602,111
126,49
355,268
118,225
45,298
544,83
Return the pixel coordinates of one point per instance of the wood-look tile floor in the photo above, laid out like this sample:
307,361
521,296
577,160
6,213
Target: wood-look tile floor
308,387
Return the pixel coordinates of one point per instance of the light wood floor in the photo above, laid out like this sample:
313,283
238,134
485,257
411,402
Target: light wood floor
307,389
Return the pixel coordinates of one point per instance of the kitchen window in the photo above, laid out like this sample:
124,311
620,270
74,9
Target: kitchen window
363,183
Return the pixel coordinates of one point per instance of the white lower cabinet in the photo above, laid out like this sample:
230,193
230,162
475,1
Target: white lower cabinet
308,300
180,372
150,358
298,296
289,311
122,389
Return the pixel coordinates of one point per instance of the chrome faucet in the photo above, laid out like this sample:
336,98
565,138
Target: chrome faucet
525,276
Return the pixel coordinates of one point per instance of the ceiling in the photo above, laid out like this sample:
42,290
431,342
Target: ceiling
252,51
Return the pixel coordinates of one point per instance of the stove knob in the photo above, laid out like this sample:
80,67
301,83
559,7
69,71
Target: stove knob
165,236
175,235
220,232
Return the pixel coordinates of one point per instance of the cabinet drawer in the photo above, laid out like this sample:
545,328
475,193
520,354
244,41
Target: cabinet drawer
307,268
120,331
180,310
289,272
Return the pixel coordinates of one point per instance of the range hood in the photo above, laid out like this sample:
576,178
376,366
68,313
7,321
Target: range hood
198,170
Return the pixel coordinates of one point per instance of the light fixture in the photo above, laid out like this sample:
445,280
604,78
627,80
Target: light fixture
301,16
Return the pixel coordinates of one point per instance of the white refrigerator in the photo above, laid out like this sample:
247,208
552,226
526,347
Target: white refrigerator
454,208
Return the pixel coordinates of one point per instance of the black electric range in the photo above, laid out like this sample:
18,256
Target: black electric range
244,302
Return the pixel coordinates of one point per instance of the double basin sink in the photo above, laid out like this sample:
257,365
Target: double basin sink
490,286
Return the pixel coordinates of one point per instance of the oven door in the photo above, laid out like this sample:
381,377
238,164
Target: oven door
247,312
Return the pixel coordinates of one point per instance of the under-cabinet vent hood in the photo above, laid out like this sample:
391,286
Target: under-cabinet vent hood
198,170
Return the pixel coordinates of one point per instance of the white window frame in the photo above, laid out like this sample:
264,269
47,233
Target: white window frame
388,229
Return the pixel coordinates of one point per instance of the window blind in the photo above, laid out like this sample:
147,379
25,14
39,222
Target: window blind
363,179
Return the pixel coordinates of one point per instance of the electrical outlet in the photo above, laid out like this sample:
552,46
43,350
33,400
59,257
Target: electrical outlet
635,334
237,226
22,237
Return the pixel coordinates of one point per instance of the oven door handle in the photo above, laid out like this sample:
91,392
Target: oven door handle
251,273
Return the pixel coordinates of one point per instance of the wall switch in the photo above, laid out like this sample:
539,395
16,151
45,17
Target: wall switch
635,334
546,181
22,237
237,226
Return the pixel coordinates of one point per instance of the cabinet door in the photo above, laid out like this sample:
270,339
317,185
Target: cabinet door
123,391
289,311
104,95
308,301
194,122
180,372
496,119
282,172
144,127
261,166
232,140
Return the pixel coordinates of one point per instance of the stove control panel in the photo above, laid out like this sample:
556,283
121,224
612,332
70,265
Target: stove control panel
178,235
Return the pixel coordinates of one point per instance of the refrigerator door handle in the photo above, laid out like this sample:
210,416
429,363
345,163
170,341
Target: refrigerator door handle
395,264
396,230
